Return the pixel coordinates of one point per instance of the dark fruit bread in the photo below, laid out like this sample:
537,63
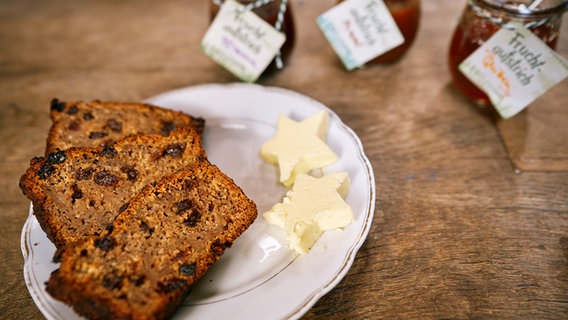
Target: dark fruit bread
79,191
168,235
96,123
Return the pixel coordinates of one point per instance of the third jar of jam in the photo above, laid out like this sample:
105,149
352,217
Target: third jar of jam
483,18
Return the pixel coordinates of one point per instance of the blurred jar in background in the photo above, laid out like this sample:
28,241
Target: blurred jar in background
483,18
406,14
269,12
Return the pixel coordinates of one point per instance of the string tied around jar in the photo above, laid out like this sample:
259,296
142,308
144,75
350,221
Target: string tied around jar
277,24
480,12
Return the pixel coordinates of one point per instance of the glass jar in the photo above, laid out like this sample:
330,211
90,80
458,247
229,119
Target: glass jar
483,18
269,12
406,14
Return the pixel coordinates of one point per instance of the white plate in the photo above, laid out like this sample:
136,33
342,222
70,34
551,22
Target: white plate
259,277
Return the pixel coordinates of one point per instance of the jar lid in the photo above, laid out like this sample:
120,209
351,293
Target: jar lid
528,8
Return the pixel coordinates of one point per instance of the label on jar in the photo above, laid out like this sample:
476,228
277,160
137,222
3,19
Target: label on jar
241,41
360,30
514,67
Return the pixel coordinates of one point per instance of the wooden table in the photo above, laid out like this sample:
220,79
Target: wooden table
458,231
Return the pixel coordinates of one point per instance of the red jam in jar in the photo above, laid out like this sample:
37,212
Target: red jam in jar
483,18
406,14
269,12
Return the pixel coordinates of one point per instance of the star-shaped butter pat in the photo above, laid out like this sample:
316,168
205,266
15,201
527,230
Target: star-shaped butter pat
299,147
311,207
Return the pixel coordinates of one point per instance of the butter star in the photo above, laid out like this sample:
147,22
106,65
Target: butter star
299,147
311,207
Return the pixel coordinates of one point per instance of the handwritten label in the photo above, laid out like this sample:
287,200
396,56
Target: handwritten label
241,41
360,30
514,67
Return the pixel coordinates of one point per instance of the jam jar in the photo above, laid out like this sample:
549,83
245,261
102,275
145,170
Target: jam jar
269,12
406,14
483,18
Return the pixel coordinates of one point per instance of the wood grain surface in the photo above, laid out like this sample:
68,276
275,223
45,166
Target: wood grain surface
471,218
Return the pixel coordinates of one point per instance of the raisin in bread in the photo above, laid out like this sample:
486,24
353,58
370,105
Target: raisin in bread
166,238
79,191
97,123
